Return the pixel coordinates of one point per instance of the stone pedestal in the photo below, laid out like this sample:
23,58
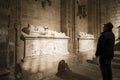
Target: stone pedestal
39,40
87,47
45,46
43,49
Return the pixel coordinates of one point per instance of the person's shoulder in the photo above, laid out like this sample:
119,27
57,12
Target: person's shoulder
109,34
104,33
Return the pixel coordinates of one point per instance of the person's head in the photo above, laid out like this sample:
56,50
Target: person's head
108,26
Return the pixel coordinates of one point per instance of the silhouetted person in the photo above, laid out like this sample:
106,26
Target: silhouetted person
105,51
63,67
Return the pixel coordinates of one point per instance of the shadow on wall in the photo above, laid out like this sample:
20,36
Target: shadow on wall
117,47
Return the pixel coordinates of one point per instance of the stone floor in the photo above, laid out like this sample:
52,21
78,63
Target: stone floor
83,71
80,70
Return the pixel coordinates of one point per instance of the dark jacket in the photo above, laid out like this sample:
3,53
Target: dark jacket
105,46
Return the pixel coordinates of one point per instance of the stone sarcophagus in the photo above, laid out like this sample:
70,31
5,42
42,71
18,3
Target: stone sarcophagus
42,41
87,44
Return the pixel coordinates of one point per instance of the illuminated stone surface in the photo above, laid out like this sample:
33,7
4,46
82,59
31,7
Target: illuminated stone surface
87,44
44,42
45,46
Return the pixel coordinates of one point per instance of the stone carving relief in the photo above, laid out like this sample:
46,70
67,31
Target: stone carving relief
42,41
37,31
81,12
86,35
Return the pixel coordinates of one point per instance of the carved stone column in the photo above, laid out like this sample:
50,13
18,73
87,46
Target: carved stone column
94,17
68,21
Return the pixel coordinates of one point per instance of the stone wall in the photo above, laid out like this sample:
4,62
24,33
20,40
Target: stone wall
3,33
110,12
7,39
16,14
81,16
94,17
7,35
38,13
